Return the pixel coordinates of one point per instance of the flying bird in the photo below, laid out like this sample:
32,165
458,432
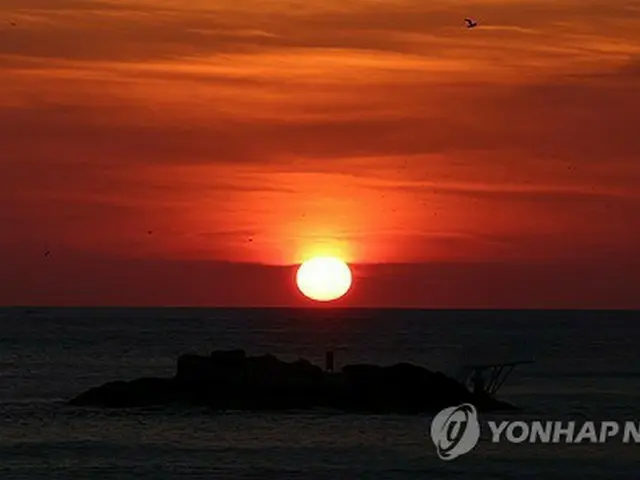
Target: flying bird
470,23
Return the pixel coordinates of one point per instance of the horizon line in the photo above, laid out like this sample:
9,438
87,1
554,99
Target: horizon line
320,307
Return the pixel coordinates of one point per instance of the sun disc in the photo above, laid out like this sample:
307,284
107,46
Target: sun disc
324,278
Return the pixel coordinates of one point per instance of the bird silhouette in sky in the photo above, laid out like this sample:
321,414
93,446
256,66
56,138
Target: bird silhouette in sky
470,23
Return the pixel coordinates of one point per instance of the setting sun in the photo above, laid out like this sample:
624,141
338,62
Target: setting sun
324,278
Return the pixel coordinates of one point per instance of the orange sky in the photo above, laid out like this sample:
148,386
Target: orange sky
497,167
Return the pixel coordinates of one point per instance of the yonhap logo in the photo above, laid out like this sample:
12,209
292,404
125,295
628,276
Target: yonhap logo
455,431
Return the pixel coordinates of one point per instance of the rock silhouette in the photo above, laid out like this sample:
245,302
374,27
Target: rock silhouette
229,380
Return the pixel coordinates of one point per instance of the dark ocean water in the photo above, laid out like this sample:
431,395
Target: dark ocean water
587,366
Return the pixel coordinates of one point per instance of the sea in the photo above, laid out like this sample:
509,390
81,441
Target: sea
586,367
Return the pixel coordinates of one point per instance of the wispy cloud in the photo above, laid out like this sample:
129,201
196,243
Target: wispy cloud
250,109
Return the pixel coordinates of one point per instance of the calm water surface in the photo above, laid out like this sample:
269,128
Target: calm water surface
587,366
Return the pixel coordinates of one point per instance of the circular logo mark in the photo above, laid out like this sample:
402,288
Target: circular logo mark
455,431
